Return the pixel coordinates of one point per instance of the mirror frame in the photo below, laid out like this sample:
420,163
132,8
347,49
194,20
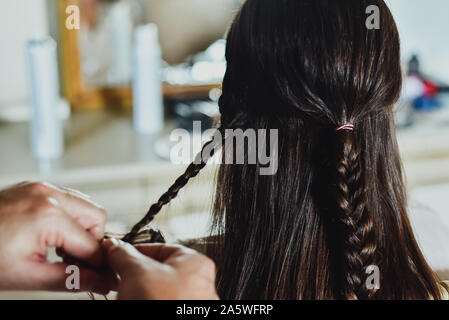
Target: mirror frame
82,98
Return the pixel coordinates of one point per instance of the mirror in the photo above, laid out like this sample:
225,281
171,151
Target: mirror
98,63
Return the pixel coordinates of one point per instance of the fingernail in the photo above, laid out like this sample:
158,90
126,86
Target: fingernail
109,243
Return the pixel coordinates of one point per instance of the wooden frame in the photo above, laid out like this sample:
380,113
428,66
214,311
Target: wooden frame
82,98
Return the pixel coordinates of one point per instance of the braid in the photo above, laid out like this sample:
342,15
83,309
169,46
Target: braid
192,171
355,223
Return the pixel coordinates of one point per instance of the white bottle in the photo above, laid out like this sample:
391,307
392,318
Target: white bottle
46,128
120,22
147,86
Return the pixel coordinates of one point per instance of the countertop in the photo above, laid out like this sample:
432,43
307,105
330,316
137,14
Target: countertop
103,146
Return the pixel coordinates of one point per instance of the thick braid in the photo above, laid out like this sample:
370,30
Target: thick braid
192,171
355,224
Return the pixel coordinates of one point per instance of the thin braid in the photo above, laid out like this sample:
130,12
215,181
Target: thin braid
354,222
192,171
366,233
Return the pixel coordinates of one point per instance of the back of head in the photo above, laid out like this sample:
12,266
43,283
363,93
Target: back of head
335,212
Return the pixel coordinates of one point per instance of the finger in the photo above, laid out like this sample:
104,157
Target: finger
124,259
88,214
68,260
180,257
162,252
63,232
76,193
70,278
60,252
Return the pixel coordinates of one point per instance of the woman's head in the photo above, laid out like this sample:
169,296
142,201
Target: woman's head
336,208
312,59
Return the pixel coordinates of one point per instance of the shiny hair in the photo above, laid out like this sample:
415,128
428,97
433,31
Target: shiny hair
337,204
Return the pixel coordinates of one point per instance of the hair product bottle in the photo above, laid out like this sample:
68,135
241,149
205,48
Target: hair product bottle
147,87
47,136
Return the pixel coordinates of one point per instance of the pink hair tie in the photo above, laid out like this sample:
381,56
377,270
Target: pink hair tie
348,127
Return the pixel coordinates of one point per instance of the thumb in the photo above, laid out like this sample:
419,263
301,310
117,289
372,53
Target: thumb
124,259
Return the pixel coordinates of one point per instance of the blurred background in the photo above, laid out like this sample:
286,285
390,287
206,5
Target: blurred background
92,108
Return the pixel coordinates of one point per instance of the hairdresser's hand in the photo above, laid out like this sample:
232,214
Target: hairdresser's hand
160,272
35,216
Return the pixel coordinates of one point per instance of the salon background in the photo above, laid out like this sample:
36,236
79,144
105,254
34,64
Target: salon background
106,136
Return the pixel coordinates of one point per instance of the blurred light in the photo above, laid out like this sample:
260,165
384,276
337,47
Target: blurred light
216,51
215,94
208,71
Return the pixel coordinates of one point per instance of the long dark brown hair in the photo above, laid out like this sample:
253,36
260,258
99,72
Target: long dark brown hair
337,203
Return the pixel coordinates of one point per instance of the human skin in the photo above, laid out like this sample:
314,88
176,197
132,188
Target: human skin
161,272
36,216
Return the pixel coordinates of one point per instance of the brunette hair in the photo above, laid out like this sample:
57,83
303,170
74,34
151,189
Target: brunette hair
337,204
